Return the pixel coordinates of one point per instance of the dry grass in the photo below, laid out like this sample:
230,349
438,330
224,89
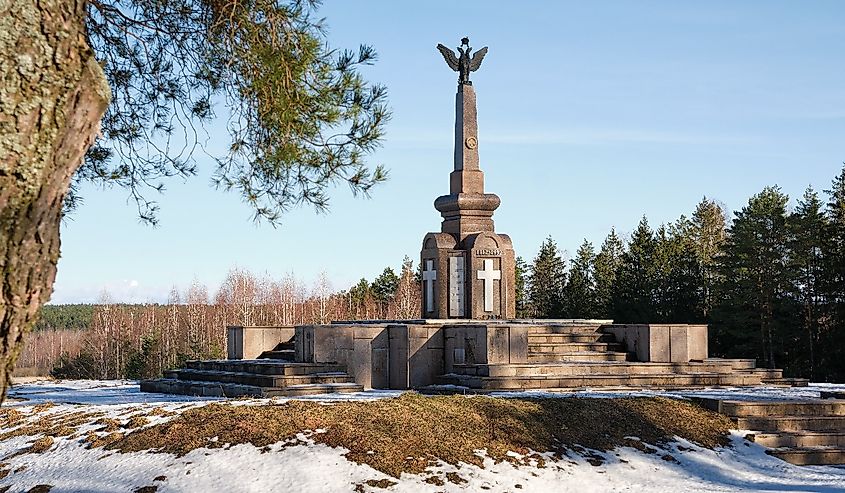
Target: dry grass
40,445
409,433
137,421
107,425
95,440
52,425
40,488
9,416
40,408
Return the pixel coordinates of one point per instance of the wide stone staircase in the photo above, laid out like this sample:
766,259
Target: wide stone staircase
801,432
273,375
571,356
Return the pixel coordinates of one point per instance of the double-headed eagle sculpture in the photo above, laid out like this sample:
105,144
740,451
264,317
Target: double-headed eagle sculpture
463,65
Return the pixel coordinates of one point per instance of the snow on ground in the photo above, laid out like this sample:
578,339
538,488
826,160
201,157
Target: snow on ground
725,393
71,467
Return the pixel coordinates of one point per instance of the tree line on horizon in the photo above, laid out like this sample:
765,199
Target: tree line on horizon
770,282
110,340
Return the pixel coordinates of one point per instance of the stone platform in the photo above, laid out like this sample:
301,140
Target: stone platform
464,356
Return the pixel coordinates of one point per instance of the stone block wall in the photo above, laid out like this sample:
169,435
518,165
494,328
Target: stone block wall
484,344
662,343
249,342
402,356
364,349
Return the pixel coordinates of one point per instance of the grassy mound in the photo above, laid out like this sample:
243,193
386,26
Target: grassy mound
407,433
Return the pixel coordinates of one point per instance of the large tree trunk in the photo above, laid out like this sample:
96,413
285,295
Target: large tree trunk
52,96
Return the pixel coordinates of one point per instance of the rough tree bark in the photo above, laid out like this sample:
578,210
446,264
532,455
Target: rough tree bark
52,96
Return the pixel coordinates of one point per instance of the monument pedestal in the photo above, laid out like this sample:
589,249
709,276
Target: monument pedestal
468,268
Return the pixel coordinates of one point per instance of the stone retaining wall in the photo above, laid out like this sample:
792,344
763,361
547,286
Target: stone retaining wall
662,343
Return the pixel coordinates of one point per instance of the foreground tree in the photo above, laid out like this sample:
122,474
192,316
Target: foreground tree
53,94
300,117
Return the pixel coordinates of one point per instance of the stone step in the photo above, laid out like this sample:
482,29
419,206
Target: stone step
216,389
765,373
569,382
590,368
736,364
786,382
263,366
747,409
568,338
564,329
573,356
805,439
569,347
791,423
282,354
810,456
259,380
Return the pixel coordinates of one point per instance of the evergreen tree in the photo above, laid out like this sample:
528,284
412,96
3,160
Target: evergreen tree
634,295
359,295
607,264
809,235
580,292
834,340
520,273
756,278
678,279
384,288
708,232
546,282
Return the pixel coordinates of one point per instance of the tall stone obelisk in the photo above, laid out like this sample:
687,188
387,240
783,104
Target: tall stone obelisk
468,269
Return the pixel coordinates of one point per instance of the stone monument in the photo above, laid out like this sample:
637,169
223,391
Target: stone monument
468,339
468,268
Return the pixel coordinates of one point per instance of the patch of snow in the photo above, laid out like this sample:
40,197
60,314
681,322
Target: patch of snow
95,392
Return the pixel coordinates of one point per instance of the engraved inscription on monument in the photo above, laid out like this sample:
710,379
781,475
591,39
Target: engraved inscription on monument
488,252
456,286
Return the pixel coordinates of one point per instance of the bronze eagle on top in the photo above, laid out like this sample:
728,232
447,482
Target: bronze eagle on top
463,65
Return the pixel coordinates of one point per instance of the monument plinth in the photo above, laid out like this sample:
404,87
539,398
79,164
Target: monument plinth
468,268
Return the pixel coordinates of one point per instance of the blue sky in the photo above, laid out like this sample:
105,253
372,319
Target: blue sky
591,114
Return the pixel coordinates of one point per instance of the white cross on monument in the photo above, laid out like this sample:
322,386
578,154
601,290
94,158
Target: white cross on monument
488,275
429,276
